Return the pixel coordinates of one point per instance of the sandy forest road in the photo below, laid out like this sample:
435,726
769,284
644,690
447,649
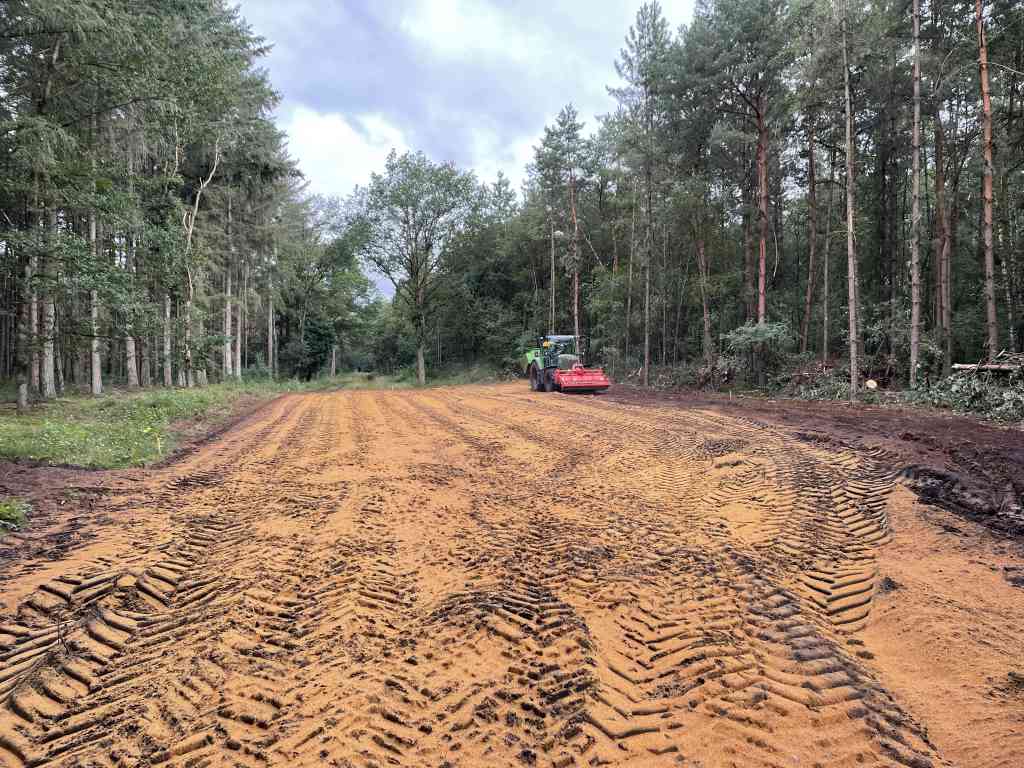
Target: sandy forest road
484,577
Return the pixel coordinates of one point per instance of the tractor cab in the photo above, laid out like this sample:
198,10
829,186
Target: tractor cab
557,363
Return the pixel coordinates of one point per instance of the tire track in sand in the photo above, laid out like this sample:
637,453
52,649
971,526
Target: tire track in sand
470,577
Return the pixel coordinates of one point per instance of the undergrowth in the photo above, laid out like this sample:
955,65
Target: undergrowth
13,514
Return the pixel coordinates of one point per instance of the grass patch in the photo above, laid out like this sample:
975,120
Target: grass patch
13,514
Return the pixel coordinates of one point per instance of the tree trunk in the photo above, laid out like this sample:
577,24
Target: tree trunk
575,258
943,247
421,365
227,357
23,360
96,364
915,214
168,379
48,383
812,237
762,207
94,316
270,330
131,362
146,379
629,278
708,344
551,287
851,254
647,313
34,326
334,360
991,323
237,366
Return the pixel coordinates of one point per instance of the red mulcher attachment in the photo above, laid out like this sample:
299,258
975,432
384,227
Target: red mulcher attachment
580,379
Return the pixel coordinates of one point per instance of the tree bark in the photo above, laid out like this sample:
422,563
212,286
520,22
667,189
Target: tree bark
226,352
551,287
915,214
237,366
48,383
991,323
708,344
131,361
168,378
23,359
943,247
812,236
851,254
647,314
34,326
762,208
270,330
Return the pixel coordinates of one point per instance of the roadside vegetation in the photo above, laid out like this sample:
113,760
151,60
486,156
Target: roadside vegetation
13,514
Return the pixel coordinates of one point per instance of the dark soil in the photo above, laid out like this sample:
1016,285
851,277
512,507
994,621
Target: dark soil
972,468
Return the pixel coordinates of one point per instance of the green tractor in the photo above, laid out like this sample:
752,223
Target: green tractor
556,364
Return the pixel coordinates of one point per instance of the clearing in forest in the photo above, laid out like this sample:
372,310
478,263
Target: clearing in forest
486,576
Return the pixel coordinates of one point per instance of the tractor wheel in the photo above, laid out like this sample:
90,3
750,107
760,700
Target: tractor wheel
534,381
549,381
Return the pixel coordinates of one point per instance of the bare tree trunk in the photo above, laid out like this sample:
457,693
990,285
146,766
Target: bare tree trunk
131,362
915,213
629,278
237,366
851,254
812,236
48,384
23,358
943,245
762,207
227,326
991,323
146,379
168,379
551,287
270,330
575,257
34,326
96,364
647,312
334,360
708,345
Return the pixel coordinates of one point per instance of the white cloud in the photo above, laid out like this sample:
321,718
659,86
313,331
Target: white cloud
457,28
336,152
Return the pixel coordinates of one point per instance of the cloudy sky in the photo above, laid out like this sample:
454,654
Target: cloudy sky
469,81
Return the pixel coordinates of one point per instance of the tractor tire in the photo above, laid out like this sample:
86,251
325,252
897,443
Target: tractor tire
534,380
549,381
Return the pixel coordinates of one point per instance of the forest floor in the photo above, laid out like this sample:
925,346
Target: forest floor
485,576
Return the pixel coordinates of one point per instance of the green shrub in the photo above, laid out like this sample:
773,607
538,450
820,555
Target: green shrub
13,513
995,397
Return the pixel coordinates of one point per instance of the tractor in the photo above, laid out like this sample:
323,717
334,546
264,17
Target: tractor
556,363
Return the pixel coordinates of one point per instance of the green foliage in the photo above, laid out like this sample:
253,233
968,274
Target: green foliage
13,513
989,395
